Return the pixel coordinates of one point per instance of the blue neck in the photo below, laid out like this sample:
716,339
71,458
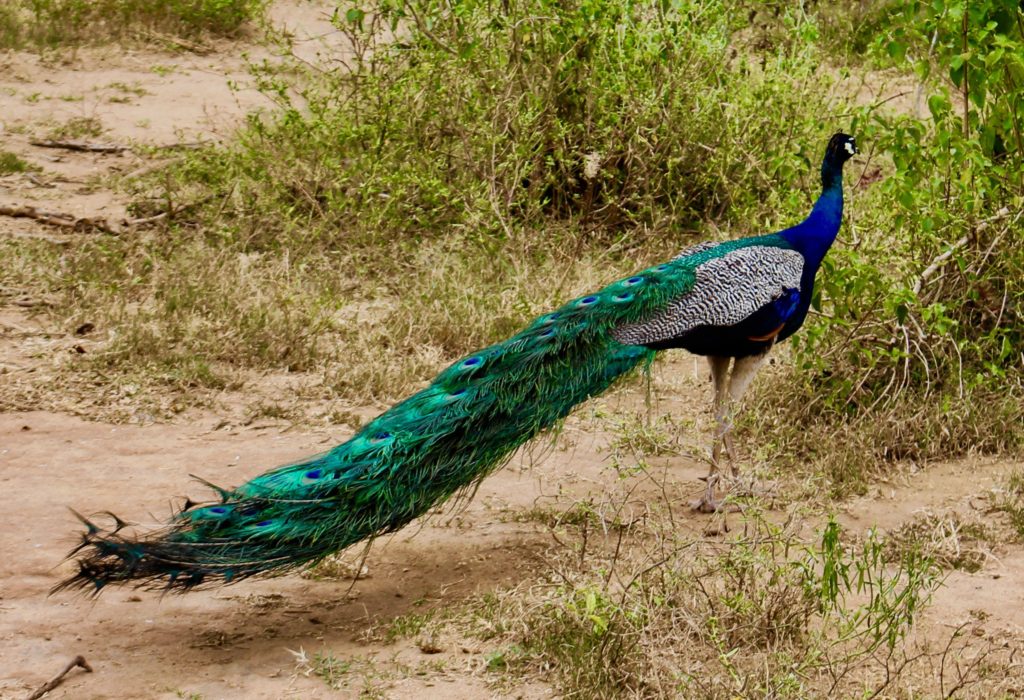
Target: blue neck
814,235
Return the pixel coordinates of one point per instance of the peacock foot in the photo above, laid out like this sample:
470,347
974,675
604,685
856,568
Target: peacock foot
708,503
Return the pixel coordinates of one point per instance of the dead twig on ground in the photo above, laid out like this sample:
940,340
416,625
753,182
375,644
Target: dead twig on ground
59,678
60,219
86,146
85,223
178,42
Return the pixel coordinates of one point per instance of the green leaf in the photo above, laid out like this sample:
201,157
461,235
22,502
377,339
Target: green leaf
897,50
355,16
939,106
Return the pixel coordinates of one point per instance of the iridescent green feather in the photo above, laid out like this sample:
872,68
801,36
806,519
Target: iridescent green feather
444,439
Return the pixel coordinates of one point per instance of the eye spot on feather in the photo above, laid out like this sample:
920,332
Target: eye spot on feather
548,333
457,392
661,268
314,474
218,510
587,301
471,362
622,297
381,436
633,280
264,523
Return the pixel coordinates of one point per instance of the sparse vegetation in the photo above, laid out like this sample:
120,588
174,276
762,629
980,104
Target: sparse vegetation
333,671
1011,502
641,611
77,128
12,163
54,23
950,540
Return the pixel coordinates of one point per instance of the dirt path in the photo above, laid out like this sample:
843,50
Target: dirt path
230,643
238,642
129,97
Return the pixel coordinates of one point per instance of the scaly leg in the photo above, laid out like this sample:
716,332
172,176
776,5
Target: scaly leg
720,376
743,373
729,391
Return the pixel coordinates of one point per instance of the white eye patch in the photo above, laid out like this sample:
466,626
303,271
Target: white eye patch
850,148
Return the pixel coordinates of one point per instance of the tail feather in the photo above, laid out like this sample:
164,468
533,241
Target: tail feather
436,443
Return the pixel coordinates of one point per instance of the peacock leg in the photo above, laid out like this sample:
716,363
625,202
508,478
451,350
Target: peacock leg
728,395
720,376
743,373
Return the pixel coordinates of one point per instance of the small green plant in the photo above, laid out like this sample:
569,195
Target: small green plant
187,695
498,661
12,163
325,665
78,128
125,93
408,625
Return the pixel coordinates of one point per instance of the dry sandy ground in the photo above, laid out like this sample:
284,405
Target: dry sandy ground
235,642
239,642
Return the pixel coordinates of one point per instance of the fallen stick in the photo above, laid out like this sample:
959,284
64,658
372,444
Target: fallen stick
58,219
199,49
59,678
71,145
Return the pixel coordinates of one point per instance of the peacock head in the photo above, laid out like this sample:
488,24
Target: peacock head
841,147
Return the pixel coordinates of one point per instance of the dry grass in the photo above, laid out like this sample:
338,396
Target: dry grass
951,540
67,23
626,606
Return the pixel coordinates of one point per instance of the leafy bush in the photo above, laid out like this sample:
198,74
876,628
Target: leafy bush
554,145
919,353
642,611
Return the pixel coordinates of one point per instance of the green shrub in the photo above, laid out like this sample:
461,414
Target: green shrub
919,353
12,163
348,231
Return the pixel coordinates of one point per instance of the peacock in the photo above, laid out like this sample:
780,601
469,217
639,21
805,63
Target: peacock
730,301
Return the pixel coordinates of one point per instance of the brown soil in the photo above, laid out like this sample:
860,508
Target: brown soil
241,641
238,642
